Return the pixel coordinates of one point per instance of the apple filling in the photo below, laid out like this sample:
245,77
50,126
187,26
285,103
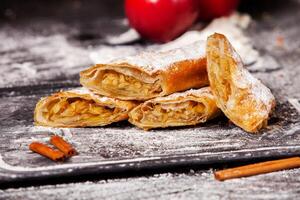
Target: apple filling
127,85
69,110
221,75
189,112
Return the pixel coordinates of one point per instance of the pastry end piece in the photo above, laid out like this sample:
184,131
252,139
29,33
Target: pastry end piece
245,100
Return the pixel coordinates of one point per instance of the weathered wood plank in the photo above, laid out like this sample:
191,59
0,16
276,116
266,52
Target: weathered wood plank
193,185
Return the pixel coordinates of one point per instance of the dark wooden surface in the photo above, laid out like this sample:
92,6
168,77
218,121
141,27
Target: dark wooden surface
43,55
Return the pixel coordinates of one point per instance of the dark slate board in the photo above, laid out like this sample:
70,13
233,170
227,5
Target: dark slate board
54,59
121,147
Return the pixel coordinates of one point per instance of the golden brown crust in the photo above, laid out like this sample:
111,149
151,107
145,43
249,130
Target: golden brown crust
159,74
80,108
185,75
179,109
242,98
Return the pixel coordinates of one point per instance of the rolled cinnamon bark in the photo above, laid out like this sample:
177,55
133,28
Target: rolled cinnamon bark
258,168
46,151
63,145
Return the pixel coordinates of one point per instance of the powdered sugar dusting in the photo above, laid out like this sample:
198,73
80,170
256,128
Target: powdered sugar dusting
259,90
243,79
153,61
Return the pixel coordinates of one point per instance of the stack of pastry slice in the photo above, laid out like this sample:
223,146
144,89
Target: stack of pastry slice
243,98
163,89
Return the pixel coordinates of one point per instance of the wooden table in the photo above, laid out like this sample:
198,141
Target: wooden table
58,43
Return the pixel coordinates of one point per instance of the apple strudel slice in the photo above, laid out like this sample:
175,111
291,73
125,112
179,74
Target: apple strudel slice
244,99
80,108
179,109
149,74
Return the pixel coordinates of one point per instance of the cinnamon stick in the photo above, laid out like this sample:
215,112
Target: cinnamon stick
258,168
46,151
63,145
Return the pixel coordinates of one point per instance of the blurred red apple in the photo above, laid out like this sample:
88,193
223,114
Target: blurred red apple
210,9
161,20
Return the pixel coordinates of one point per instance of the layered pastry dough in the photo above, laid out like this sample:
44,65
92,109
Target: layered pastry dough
149,74
80,108
243,98
178,109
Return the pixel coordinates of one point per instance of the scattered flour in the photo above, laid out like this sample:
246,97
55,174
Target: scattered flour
295,103
5,166
38,58
105,54
64,132
27,61
124,162
231,26
126,37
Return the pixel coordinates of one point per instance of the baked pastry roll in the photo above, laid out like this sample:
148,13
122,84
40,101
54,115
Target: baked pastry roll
80,108
243,98
149,74
179,109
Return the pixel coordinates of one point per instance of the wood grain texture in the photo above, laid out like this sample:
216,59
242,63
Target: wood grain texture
48,69
193,185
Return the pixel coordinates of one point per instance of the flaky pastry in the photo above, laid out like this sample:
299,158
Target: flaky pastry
80,108
149,74
179,109
244,99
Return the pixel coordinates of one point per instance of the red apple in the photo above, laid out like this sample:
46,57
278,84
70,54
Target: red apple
161,20
209,9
